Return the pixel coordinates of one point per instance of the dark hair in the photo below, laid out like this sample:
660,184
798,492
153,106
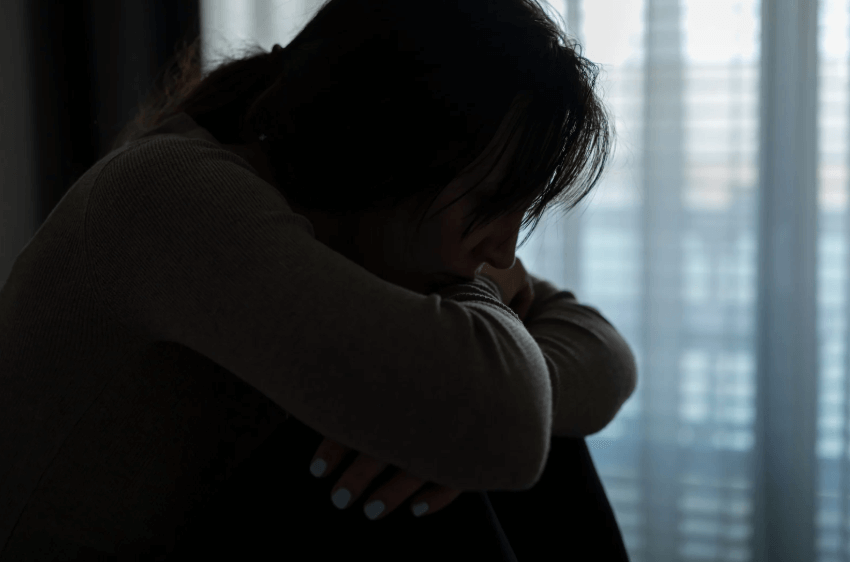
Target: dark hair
388,100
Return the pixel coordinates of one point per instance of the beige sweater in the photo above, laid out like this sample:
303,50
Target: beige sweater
173,304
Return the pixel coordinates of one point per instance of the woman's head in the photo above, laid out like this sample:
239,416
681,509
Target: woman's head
377,106
425,254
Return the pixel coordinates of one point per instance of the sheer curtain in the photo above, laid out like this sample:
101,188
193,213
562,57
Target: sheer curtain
717,244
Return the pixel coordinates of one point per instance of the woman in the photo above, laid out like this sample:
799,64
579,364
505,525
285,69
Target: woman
251,270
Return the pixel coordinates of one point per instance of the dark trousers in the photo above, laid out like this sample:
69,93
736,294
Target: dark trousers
274,507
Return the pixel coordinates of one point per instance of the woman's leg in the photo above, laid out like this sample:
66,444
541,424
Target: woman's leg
566,512
273,506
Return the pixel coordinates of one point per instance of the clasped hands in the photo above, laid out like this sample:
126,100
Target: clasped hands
403,485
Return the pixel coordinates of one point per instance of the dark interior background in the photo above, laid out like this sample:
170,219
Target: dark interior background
73,73
92,62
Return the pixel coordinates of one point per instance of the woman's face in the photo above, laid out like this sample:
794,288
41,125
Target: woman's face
436,256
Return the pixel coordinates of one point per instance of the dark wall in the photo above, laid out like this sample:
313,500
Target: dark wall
92,62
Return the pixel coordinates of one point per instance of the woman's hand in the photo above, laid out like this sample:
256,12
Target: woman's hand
515,285
364,470
523,300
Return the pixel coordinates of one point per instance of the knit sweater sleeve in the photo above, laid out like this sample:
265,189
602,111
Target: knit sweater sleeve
188,244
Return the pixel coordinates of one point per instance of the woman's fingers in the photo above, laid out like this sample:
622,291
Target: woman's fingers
392,494
523,300
327,457
386,499
402,486
395,492
355,480
433,499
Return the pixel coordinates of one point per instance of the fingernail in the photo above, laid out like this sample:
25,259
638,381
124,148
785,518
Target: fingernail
420,508
373,509
341,497
318,467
